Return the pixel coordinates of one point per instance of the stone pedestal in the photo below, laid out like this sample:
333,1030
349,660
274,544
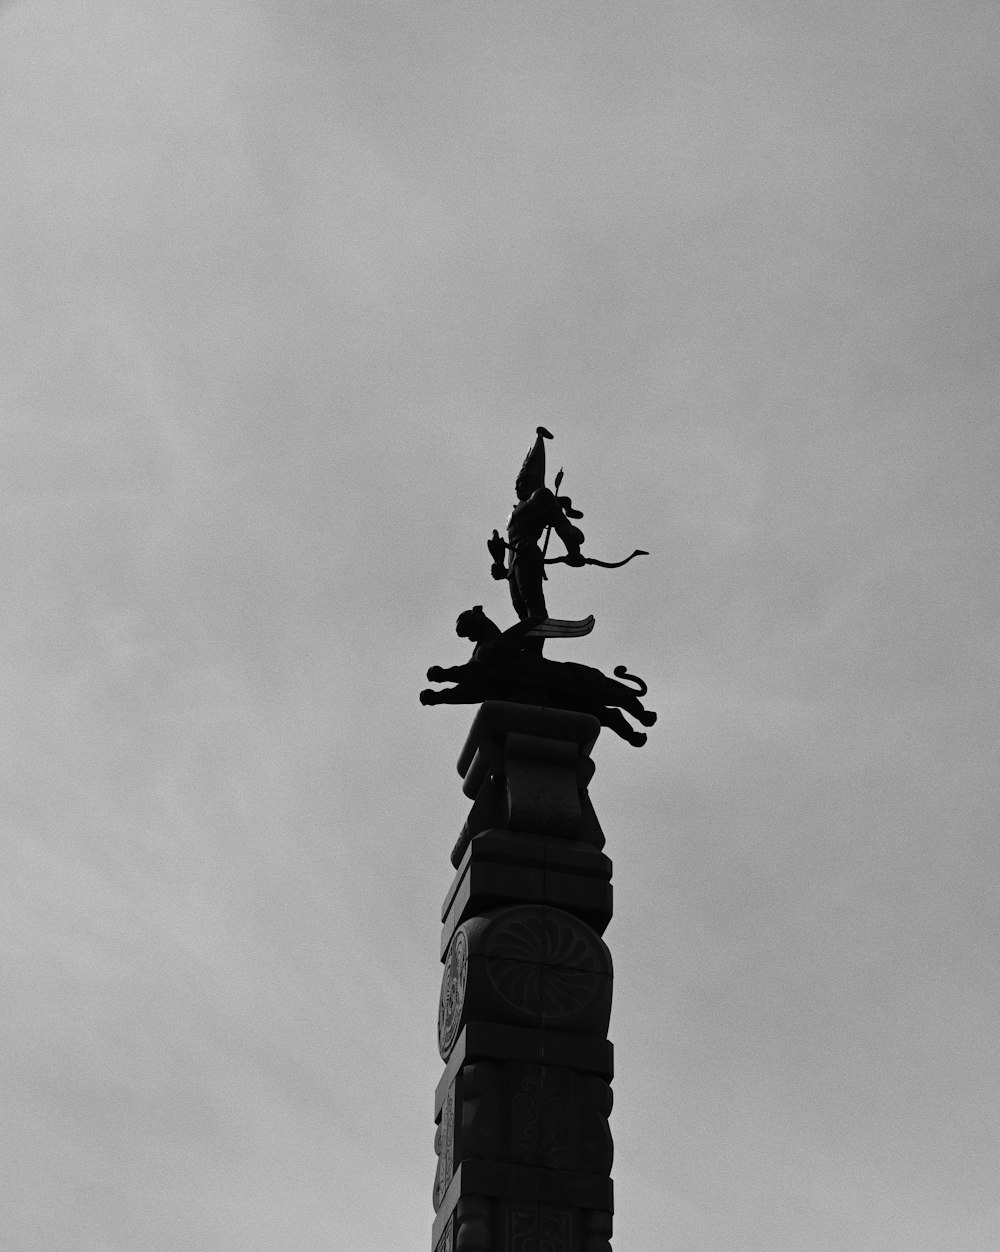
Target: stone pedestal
523,1143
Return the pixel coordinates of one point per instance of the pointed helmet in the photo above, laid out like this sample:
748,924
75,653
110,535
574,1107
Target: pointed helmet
532,474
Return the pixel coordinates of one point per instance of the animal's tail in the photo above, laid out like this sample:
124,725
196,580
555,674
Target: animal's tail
622,673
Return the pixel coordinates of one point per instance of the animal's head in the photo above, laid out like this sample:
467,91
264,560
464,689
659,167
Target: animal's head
473,624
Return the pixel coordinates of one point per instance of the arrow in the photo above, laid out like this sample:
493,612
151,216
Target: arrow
548,530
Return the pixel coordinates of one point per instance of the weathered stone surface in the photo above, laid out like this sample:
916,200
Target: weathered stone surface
495,719
524,1184
543,785
527,769
597,1230
487,886
444,1146
528,965
501,867
446,1243
523,1114
473,1224
480,1041
496,845
451,1007
534,1227
491,811
497,1225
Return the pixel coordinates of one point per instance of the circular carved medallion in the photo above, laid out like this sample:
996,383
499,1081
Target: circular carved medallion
456,972
545,962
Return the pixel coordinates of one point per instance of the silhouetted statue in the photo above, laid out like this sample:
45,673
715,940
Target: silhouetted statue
504,667
537,510
508,665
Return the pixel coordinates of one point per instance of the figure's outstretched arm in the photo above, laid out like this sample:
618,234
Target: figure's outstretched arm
571,535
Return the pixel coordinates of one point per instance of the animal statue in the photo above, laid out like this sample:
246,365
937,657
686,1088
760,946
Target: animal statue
504,667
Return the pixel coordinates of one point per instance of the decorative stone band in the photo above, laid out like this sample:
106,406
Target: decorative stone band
539,1226
543,788
525,1226
530,966
502,868
527,769
484,748
487,1205
545,1116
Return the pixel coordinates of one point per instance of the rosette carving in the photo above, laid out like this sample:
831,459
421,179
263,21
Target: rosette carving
545,962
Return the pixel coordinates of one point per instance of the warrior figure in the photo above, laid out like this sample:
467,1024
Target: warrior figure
536,510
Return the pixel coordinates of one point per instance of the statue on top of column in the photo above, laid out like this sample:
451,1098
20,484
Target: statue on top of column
509,665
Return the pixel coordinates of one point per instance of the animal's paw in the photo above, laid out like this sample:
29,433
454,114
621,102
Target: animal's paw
427,696
435,674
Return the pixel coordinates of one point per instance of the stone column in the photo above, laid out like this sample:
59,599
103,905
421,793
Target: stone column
523,1143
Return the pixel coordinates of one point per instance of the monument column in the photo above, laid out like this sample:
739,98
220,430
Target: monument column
523,1142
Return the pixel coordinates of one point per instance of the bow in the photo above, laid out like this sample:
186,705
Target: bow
592,560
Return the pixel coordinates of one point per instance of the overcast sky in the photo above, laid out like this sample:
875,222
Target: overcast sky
285,291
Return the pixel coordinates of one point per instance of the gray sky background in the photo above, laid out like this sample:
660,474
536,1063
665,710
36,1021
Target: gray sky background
285,291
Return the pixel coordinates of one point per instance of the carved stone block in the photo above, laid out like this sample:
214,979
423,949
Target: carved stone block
523,1114
485,1041
446,1242
482,1224
597,1230
473,1225
542,785
483,753
527,769
474,1179
503,867
451,1004
444,1146
540,1228
530,966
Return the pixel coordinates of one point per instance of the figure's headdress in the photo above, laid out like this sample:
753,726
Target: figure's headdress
532,473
